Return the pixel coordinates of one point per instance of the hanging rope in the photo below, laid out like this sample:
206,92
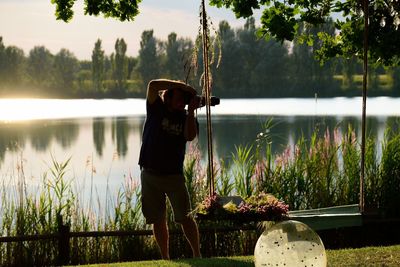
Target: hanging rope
206,90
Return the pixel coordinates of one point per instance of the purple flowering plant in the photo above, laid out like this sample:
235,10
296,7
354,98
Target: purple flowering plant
255,208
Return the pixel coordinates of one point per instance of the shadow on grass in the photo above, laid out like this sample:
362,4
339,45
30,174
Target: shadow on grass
216,262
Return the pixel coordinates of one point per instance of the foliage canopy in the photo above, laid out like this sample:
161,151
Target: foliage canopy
281,20
121,9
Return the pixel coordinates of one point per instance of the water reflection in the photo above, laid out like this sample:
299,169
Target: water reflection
15,136
102,138
99,135
230,131
120,134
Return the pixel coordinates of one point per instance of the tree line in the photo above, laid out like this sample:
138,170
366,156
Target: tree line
249,67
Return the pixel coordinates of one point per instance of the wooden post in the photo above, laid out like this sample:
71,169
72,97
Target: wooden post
63,242
207,89
364,107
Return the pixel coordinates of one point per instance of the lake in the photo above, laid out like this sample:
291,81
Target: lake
103,137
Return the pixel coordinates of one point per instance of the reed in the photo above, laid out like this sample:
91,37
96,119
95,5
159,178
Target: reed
244,163
390,171
325,170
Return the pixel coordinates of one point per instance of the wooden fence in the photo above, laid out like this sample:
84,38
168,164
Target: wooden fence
64,234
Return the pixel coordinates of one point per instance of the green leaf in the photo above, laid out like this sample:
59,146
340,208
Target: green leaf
279,22
122,9
64,9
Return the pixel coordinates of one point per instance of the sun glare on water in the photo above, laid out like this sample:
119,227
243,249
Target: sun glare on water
34,109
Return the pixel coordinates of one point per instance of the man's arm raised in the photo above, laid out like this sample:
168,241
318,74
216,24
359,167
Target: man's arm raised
157,85
153,88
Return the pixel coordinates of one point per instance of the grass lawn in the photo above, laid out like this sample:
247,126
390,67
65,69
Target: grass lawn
369,256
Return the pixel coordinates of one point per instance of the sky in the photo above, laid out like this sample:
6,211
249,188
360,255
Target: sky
30,23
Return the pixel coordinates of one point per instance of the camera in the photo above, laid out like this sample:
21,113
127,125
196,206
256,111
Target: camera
213,101
202,100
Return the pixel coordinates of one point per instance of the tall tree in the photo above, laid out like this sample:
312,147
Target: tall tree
14,66
396,81
120,64
108,67
149,62
3,64
309,76
269,77
40,67
65,70
228,75
248,52
132,63
177,56
324,84
302,67
349,69
98,67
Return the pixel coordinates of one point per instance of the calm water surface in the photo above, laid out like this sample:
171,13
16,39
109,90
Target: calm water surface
102,137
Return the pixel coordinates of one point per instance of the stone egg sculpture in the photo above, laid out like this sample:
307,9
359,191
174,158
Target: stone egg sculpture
289,243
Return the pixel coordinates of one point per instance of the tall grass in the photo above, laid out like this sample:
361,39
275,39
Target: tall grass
321,171
40,211
317,172
389,181
244,163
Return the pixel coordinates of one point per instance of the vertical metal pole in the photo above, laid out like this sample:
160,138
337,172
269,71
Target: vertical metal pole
206,84
364,106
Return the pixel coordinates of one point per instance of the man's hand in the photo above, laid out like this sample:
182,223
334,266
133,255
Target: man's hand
194,104
190,130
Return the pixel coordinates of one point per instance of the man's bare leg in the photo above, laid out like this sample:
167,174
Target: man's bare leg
160,231
189,227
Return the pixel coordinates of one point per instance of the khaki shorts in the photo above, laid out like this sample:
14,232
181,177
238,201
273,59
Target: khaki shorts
155,189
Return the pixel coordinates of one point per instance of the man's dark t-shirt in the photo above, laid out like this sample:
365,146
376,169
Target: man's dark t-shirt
163,145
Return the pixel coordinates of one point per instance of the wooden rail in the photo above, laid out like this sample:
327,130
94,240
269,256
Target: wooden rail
63,236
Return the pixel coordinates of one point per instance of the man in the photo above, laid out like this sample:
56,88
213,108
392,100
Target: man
167,128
